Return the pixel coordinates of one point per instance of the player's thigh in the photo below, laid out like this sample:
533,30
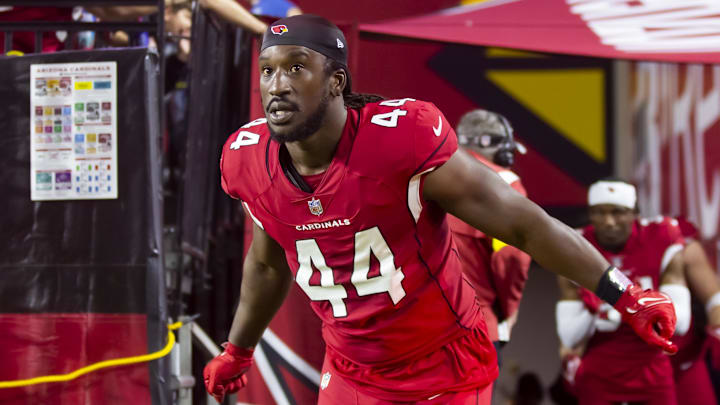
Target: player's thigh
334,390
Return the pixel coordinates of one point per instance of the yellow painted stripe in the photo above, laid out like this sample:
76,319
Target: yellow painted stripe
493,52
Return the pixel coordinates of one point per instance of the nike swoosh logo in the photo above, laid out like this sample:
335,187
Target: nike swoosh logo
646,300
439,127
652,303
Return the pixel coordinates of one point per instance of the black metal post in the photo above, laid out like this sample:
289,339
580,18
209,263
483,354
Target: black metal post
8,42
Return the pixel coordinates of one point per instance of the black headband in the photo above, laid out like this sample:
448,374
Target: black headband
310,31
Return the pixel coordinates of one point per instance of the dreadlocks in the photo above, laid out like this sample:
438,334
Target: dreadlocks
352,100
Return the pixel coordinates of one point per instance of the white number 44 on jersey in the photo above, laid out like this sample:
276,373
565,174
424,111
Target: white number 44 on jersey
246,138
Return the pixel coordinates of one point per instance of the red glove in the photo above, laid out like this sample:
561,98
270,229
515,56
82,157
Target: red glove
225,373
713,342
651,314
592,302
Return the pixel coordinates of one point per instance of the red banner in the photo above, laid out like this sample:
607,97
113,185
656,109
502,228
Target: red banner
676,117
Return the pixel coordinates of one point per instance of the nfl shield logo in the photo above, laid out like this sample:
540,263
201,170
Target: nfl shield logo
325,380
315,207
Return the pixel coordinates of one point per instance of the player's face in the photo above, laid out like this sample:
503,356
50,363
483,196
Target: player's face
612,223
295,91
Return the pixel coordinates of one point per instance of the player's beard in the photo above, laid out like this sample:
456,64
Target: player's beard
311,125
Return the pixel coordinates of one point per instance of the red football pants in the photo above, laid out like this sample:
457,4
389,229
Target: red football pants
339,392
661,399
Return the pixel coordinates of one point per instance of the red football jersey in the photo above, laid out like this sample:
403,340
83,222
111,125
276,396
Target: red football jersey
692,380
376,259
618,365
497,276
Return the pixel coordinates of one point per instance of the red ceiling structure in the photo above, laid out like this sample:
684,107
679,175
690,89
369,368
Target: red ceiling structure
371,10
680,31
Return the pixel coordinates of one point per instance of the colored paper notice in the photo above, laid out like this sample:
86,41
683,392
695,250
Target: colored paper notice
73,131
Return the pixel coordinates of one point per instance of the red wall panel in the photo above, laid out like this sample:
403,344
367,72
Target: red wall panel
35,345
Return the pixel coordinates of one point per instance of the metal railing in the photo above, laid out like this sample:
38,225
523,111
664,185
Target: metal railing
39,27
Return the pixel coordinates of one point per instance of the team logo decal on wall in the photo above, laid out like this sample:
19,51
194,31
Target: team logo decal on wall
559,104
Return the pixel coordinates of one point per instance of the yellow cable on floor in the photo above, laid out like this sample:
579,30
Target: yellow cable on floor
97,366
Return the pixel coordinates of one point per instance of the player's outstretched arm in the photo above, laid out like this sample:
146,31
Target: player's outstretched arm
702,279
265,284
478,196
472,192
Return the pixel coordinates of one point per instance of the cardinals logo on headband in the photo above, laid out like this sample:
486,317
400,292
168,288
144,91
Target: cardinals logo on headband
279,29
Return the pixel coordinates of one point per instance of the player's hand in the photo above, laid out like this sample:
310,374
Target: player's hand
651,315
570,365
225,373
713,342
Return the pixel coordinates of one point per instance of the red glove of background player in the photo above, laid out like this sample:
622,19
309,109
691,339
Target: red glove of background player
592,302
225,373
651,314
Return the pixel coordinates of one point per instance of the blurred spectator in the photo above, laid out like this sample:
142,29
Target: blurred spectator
274,8
178,27
25,41
179,12
84,40
235,14
121,13
228,10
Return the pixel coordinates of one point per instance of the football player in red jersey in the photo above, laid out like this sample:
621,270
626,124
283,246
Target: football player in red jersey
692,379
348,197
617,366
496,270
